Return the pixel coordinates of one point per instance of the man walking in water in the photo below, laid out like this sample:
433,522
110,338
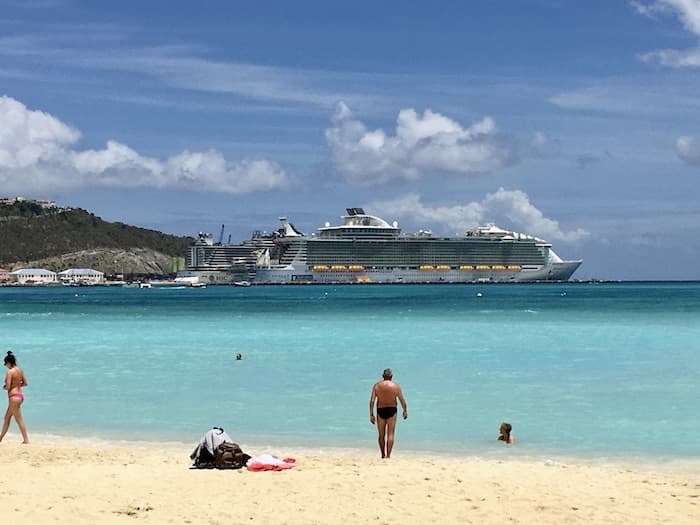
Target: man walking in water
385,393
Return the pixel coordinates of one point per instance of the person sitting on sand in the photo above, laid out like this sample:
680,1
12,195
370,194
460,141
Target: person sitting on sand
385,393
14,381
504,433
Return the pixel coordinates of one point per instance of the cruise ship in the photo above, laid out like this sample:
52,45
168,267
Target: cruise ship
210,262
367,249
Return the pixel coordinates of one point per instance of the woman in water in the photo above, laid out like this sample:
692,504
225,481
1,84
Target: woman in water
504,433
14,381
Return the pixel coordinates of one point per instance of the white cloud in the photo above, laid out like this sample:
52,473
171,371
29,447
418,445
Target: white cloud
423,144
30,137
211,170
504,206
674,58
688,149
643,9
541,146
643,95
606,97
181,66
36,4
688,12
643,239
37,153
248,80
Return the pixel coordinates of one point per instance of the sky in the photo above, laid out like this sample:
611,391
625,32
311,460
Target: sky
577,122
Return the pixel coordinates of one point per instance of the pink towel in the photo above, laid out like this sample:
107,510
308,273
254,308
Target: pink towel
269,462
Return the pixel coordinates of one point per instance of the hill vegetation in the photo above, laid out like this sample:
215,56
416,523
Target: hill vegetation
32,233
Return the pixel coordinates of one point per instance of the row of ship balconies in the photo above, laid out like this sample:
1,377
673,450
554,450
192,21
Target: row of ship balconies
424,268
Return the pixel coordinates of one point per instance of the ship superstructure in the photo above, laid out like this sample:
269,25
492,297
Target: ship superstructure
218,263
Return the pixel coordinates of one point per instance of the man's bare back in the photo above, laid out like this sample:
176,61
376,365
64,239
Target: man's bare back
386,391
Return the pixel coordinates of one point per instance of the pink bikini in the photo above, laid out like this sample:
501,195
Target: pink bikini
20,395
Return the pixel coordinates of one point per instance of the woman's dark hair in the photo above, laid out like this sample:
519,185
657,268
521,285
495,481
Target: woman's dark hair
10,359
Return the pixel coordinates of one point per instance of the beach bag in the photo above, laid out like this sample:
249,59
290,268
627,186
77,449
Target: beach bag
204,454
230,455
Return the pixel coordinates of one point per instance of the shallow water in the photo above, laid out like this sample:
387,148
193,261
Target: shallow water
588,370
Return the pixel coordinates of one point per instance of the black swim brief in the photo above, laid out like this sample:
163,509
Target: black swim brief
386,412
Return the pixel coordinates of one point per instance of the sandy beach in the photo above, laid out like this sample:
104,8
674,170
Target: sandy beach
73,483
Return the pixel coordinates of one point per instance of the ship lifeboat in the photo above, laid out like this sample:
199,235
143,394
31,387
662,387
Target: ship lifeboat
320,268
482,267
466,268
514,268
498,268
338,268
356,268
426,268
442,268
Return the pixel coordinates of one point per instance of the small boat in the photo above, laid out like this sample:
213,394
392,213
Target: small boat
241,283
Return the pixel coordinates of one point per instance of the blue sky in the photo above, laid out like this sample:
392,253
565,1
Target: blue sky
575,121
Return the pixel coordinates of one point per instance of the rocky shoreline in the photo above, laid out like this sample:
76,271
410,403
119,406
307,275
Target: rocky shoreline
110,261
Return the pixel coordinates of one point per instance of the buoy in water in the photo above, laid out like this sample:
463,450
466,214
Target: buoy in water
478,294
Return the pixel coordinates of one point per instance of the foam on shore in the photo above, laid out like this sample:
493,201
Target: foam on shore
499,452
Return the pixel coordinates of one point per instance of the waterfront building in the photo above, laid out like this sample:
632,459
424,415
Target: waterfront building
86,276
35,276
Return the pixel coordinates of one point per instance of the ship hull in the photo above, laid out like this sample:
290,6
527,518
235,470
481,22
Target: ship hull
304,274
208,277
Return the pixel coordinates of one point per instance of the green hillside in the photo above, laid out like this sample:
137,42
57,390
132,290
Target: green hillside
29,232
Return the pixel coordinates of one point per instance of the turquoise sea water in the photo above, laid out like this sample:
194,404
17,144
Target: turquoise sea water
587,370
